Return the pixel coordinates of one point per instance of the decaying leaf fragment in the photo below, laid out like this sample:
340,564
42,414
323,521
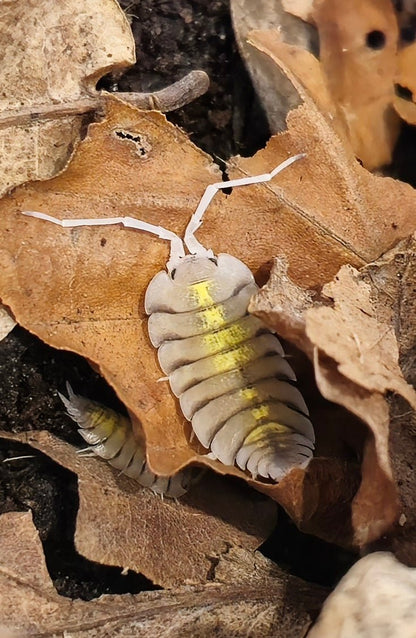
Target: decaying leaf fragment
52,54
362,214
375,598
353,331
301,8
275,92
358,57
405,98
250,597
6,323
171,542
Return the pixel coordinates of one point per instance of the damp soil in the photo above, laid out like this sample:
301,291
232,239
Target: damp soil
172,37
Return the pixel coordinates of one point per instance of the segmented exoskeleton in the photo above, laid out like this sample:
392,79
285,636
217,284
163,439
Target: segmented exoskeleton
225,366
110,436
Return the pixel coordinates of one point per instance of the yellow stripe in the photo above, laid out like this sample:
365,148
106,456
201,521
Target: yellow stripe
260,412
201,293
264,431
235,358
212,318
106,421
249,394
225,338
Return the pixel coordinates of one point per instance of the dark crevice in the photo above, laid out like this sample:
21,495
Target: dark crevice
403,92
50,492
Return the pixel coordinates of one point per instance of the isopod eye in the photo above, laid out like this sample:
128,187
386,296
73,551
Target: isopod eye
214,260
172,274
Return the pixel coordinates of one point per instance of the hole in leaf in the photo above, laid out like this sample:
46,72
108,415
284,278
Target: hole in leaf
375,40
403,92
142,145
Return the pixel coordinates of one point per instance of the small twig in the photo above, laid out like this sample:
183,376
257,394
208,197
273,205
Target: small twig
172,97
168,99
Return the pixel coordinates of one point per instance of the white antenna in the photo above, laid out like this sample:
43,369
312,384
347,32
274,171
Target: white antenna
195,222
177,249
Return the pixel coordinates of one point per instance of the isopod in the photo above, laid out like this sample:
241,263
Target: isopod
110,435
225,366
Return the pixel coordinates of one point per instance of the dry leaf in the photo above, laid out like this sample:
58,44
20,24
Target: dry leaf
364,214
358,333
356,70
405,98
275,92
7,323
357,53
250,597
355,341
377,597
301,8
171,542
105,272
53,55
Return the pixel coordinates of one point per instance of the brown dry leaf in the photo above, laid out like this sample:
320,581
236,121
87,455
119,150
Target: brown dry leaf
87,295
171,542
6,323
358,57
250,597
276,93
301,8
357,65
53,55
354,331
363,214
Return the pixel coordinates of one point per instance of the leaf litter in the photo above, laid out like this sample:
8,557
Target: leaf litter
248,595
171,542
330,212
364,53
106,272
42,78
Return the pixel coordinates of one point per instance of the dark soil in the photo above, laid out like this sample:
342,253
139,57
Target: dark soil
172,38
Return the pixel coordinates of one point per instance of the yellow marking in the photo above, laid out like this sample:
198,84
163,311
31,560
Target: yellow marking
249,394
262,432
260,412
225,338
235,358
107,422
201,293
212,318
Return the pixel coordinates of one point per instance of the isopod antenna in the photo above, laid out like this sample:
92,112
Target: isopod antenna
192,244
177,249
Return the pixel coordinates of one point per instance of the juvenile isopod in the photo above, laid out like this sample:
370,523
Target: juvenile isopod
225,366
110,435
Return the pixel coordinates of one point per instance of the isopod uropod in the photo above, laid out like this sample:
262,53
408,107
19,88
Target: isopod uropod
225,366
